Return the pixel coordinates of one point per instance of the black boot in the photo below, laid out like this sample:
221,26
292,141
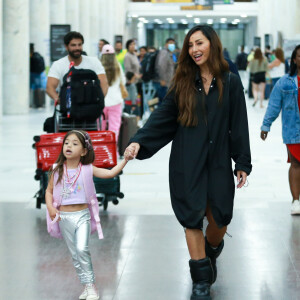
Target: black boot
213,254
202,276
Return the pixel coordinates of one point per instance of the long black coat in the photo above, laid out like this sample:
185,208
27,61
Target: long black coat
200,167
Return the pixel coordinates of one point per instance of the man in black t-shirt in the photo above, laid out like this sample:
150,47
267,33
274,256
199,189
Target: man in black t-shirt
241,63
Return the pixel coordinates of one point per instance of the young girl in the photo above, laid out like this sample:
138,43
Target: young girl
70,196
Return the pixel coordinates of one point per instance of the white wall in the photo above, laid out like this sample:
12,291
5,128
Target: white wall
277,16
1,91
16,56
40,27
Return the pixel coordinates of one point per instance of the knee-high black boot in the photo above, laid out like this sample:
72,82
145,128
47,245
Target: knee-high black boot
202,276
213,255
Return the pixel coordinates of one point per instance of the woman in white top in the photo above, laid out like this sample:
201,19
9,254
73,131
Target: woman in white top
113,99
276,67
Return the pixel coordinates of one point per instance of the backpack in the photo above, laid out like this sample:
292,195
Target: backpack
37,63
87,99
148,66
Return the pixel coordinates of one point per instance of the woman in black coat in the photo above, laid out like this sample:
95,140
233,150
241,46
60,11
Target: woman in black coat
205,116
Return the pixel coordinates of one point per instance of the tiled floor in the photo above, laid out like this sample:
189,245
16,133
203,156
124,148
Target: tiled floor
144,255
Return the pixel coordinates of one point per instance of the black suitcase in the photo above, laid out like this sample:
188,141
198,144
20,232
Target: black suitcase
127,131
39,97
108,190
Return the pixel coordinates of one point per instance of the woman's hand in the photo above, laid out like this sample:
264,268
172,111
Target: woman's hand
241,178
52,212
131,151
263,135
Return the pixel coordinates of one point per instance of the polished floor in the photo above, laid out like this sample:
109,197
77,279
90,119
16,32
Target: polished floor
144,255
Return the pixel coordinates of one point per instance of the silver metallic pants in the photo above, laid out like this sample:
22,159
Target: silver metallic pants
75,228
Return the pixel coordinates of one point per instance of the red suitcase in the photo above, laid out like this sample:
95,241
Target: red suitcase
48,147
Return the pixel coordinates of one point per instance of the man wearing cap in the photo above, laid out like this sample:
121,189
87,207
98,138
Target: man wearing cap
73,43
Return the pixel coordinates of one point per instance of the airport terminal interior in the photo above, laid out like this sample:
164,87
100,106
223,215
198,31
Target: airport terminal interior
144,254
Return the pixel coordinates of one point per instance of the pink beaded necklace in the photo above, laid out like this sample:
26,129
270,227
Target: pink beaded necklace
69,182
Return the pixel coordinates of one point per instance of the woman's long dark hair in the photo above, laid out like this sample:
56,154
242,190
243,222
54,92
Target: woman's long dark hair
85,160
293,67
184,79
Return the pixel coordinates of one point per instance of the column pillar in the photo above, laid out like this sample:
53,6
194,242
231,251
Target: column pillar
16,56
94,27
84,6
1,63
58,12
72,14
40,27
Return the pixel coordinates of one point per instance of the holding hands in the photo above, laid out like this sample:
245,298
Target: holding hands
131,151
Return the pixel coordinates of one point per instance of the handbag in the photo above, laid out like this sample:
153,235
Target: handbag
49,124
124,92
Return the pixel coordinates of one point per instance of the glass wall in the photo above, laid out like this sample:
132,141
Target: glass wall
231,36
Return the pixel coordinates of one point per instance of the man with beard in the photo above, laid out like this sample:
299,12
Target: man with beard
73,42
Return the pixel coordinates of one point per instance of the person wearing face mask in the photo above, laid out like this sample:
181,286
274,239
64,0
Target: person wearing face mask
165,67
204,115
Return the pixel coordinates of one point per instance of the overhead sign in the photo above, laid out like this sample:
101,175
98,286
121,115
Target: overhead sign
223,1
172,1
57,47
199,5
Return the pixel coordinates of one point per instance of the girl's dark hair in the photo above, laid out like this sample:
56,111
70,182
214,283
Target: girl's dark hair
184,79
128,43
293,66
73,35
87,159
258,55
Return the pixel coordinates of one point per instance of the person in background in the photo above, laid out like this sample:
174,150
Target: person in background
120,53
131,62
101,43
258,68
130,102
113,100
37,67
285,98
277,66
165,67
151,49
241,64
268,53
143,52
226,54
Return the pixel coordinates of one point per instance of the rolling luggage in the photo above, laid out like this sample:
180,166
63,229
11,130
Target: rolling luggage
127,131
48,147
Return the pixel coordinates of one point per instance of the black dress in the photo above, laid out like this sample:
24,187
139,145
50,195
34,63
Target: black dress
200,167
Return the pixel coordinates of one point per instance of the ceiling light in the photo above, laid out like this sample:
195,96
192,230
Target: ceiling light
223,20
171,21
210,21
142,19
134,16
146,21
197,20
236,20
244,16
189,16
183,21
